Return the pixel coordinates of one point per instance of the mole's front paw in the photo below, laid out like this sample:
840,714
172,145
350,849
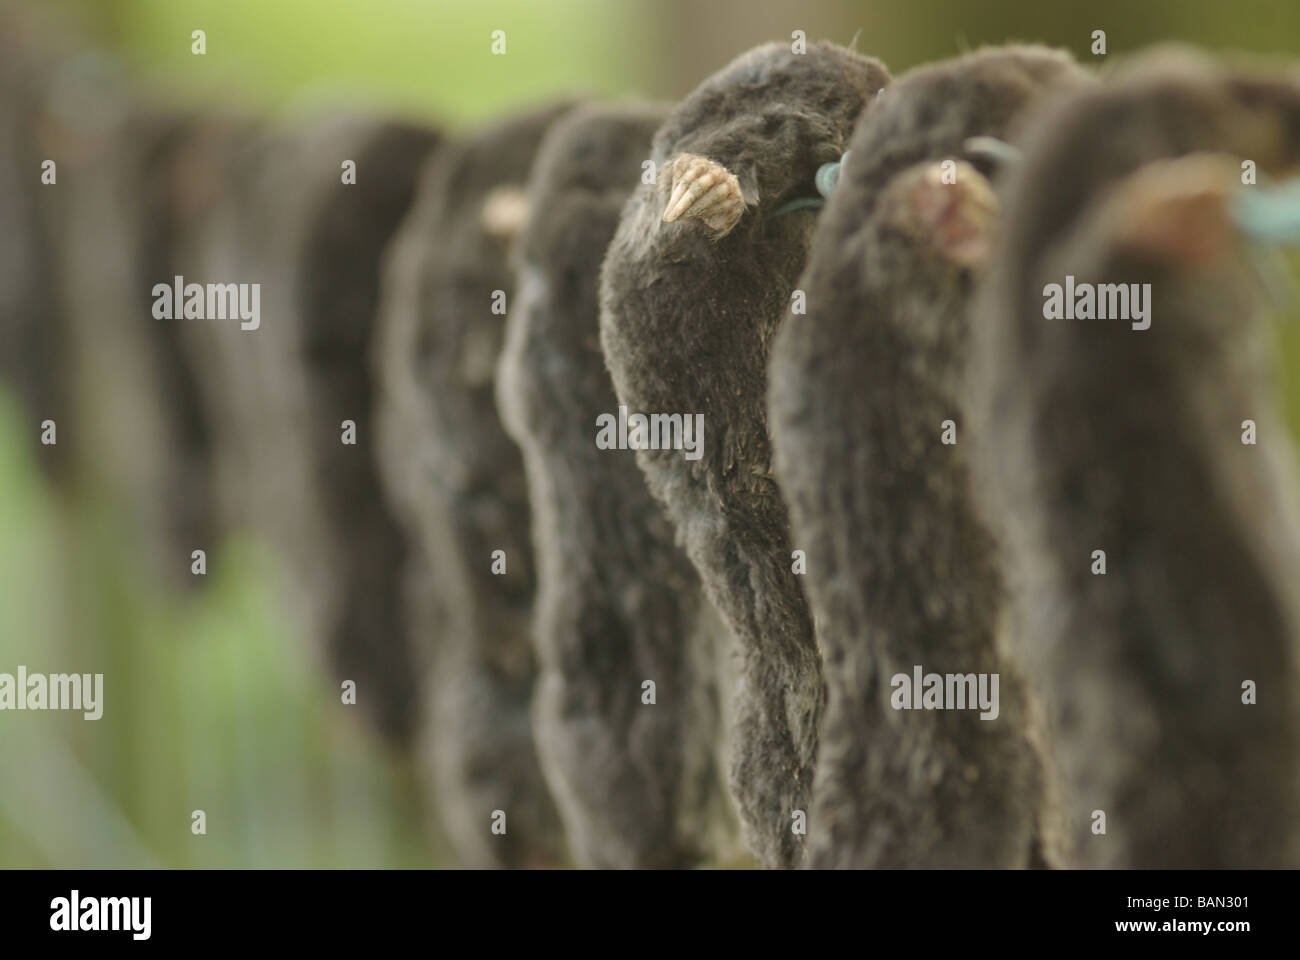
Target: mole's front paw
1178,209
704,190
505,211
949,207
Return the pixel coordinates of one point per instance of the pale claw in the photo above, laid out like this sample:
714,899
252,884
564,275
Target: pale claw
704,190
1178,209
505,211
957,218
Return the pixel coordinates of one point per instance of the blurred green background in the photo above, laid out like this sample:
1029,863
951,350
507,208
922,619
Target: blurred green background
212,700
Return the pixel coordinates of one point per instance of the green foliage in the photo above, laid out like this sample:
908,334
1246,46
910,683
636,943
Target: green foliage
424,58
211,702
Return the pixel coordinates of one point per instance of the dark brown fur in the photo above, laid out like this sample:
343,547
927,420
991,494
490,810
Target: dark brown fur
901,571
617,602
278,394
1103,437
686,323
457,480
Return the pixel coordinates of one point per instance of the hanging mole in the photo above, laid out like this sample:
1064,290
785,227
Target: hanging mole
618,605
284,215
901,571
95,205
59,98
695,284
144,433
1156,548
457,481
